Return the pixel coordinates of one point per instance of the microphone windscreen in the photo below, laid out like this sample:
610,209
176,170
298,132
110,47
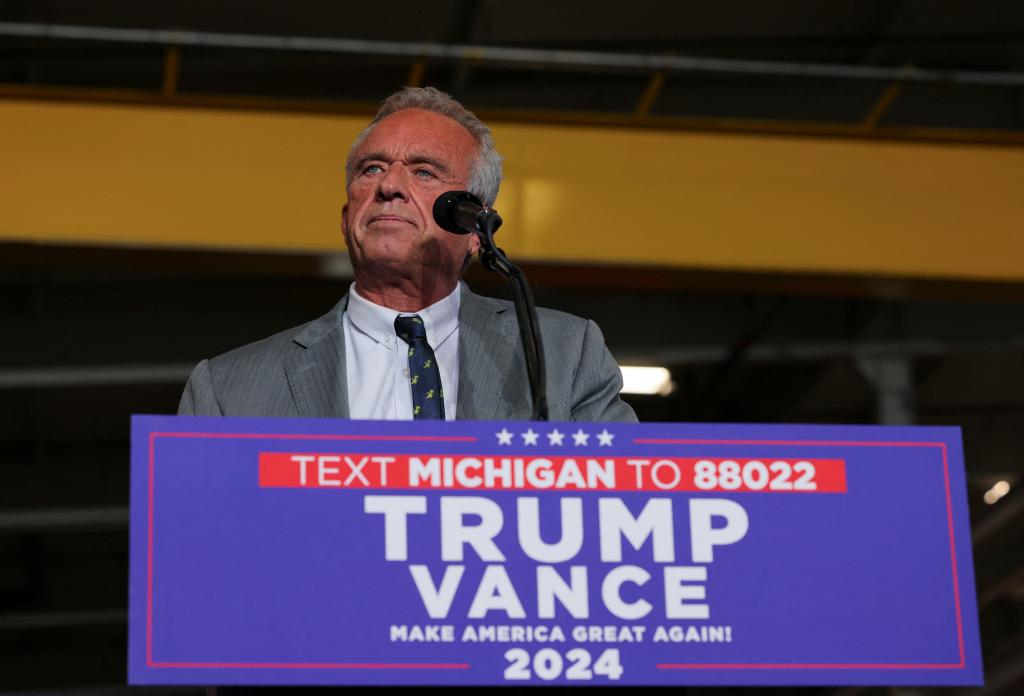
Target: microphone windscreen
444,209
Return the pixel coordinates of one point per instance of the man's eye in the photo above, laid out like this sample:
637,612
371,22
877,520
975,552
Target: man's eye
424,173
373,169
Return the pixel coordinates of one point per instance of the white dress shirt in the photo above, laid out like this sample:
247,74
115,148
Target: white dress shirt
377,361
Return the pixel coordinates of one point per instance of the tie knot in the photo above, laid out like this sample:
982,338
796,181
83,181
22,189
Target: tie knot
410,328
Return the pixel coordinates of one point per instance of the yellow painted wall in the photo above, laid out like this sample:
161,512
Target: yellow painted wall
118,174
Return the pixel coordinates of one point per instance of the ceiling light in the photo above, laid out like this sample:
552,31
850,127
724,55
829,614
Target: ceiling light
993,494
646,380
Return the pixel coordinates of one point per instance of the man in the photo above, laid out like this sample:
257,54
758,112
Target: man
410,340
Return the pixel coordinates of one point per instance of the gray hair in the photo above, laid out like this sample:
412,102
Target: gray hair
485,172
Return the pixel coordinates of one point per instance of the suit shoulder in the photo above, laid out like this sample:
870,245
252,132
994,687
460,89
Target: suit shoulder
565,336
270,352
554,318
562,319
266,353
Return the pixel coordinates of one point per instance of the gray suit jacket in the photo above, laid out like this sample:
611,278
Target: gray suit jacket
301,372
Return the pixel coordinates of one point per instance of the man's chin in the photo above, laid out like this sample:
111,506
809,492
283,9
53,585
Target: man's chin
388,265
391,255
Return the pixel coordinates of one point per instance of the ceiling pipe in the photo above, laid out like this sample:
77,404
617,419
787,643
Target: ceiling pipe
527,58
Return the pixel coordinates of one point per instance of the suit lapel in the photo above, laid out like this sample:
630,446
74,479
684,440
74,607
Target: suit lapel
486,355
317,375
316,370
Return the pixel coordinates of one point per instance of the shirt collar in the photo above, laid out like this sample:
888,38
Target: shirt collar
440,319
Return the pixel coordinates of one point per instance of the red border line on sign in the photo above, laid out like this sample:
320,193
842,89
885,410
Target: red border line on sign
812,665
952,553
270,665
289,436
149,557
314,665
675,666
809,443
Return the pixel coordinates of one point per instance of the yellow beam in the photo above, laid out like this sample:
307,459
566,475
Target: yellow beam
716,124
142,175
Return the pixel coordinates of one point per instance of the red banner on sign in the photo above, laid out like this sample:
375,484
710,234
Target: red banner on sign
487,472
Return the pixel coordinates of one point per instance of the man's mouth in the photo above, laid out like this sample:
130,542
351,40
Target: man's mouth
390,218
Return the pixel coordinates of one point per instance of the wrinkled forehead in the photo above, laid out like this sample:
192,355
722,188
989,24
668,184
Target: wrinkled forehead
423,133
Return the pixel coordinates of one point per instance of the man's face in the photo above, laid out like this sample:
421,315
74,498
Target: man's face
407,161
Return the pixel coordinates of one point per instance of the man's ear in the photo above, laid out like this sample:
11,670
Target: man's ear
474,247
344,220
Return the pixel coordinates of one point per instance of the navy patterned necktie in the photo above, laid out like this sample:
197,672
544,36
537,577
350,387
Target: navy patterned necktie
427,397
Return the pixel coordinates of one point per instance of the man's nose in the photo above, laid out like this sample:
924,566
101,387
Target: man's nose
394,184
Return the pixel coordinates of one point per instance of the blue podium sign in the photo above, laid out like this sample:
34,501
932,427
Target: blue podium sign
270,551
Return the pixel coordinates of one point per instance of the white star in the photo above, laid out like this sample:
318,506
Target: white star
604,438
530,437
504,437
555,437
580,438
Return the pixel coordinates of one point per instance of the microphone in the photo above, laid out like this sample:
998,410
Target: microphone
462,213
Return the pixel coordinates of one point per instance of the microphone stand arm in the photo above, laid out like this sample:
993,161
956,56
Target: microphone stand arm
494,259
